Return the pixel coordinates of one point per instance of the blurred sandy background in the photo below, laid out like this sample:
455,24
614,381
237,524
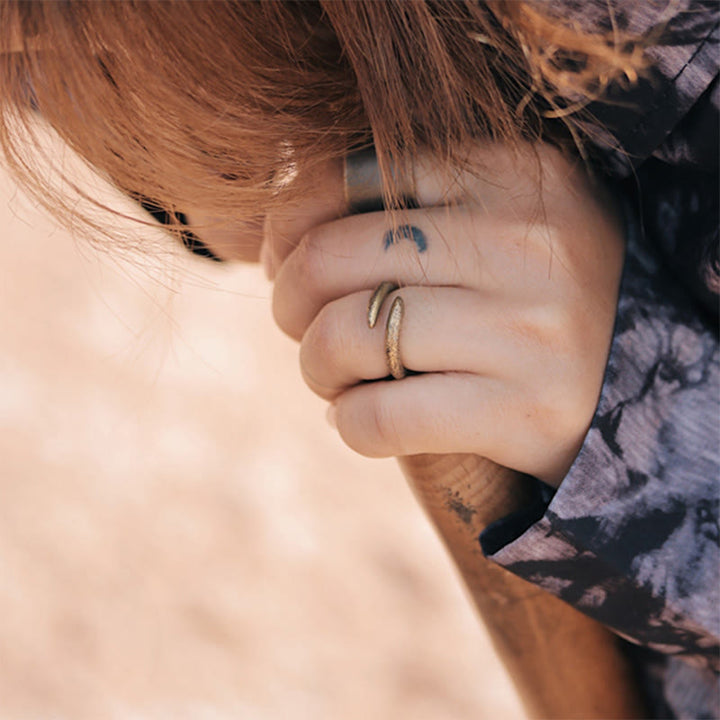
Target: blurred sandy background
181,534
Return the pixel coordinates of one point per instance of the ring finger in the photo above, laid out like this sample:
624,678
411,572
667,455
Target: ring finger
444,329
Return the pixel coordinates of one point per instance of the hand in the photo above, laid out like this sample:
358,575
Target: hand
509,276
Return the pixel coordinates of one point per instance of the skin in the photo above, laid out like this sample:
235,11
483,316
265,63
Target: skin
509,308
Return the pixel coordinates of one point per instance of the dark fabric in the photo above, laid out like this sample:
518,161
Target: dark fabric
502,531
634,122
631,536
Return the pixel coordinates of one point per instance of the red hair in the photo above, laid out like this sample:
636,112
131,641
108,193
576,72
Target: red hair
210,104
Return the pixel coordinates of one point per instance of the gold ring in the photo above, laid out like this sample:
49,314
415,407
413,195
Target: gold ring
392,338
392,327
377,299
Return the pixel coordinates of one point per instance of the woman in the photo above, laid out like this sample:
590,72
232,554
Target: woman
548,327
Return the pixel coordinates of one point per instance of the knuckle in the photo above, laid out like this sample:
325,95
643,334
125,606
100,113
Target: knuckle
322,353
305,275
547,326
383,426
282,315
371,432
561,410
312,263
321,336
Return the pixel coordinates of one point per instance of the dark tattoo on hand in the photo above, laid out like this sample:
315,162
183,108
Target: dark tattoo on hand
406,232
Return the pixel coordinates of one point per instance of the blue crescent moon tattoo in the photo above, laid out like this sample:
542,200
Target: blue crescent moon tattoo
406,232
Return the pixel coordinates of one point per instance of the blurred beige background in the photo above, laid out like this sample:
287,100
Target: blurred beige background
181,534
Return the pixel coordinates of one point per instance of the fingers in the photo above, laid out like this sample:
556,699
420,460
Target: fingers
502,186
433,185
524,369
509,283
443,329
433,413
354,254
454,413
442,246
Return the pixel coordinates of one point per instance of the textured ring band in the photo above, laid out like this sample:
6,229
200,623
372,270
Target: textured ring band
392,327
392,338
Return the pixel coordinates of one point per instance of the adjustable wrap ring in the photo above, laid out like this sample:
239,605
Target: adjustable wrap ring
392,327
392,338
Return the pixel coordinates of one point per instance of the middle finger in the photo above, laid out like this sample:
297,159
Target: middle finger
441,246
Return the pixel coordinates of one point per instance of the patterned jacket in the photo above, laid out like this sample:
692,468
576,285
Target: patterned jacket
631,536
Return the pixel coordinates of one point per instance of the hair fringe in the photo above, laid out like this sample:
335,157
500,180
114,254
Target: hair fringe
219,122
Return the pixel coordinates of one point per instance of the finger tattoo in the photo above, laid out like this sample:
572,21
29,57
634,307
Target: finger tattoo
406,232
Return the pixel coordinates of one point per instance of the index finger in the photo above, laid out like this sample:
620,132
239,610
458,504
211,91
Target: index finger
491,176
284,228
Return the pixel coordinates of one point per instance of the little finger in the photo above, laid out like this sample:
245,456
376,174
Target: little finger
431,413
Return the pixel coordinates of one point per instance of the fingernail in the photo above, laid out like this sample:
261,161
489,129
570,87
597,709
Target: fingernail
331,416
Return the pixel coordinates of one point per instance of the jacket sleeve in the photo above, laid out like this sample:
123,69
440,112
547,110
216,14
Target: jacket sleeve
631,536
